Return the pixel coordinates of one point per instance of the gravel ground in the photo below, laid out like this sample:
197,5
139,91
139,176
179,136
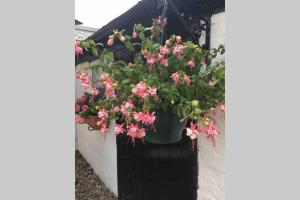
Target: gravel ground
87,184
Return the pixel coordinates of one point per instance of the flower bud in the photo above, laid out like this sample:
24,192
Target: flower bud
195,103
122,39
134,34
110,42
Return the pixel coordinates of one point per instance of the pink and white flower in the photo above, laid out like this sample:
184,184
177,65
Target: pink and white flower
134,34
145,118
164,50
210,131
110,41
222,107
119,129
178,38
103,114
192,132
135,132
116,109
95,91
191,64
175,77
178,51
186,79
78,48
79,119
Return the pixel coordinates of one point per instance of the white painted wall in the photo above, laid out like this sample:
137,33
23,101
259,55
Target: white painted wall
99,151
84,32
211,160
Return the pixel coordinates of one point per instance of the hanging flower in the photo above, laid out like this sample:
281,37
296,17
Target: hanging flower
186,79
104,128
103,114
119,129
178,38
175,77
79,119
222,107
164,50
110,41
78,49
210,132
135,132
95,91
178,51
126,107
116,109
192,132
191,64
134,34
210,83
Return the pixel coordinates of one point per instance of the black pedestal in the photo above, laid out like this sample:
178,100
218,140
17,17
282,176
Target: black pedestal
157,172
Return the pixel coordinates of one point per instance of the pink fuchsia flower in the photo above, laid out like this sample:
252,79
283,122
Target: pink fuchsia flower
78,50
210,83
153,91
84,107
104,76
145,53
148,119
77,108
164,50
210,131
85,80
116,109
134,34
141,89
103,114
151,60
178,51
127,105
186,79
145,118
138,116
164,62
222,107
135,132
78,75
178,38
95,91
103,127
119,129
110,41
175,77
192,132
79,119
191,64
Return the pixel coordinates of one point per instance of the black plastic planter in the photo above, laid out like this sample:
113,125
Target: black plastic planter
168,128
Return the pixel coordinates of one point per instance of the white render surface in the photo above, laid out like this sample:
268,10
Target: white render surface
211,160
101,153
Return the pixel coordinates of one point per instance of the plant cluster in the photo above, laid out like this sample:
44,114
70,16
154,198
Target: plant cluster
178,77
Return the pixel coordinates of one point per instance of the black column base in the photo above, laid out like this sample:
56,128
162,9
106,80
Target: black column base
157,172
